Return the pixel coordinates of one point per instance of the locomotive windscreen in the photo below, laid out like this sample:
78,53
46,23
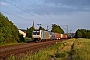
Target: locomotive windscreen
36,32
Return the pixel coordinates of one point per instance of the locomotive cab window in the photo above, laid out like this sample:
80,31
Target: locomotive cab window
36,32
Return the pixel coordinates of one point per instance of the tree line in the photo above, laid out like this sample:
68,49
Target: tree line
82,33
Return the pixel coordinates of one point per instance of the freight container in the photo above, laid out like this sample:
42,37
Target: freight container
50,34
53,36
45,34
63,36
57,35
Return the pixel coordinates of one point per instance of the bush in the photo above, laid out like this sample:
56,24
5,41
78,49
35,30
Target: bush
62,55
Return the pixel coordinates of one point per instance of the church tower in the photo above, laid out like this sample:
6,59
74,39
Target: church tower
33,24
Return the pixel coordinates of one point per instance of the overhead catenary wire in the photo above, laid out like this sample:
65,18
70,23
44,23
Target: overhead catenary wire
24,10
46,10
21,9
40,7
34,7
42,10
64,27
14,15
29,7
26,5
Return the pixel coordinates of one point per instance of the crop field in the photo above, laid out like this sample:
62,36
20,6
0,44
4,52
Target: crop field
72,49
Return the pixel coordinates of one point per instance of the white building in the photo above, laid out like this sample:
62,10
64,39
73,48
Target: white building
22,32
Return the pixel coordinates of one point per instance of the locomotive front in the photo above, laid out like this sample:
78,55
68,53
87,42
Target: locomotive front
36,35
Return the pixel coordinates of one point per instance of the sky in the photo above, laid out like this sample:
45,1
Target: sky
72,13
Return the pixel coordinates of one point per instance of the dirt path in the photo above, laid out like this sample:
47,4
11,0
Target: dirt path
67,47
70,53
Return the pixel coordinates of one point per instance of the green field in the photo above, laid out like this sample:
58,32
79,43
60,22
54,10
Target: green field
72,49
81,49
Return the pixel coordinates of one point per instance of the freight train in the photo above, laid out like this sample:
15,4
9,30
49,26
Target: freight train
43,35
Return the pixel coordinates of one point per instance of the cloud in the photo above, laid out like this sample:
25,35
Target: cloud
69,2
86,8
3,3
59,6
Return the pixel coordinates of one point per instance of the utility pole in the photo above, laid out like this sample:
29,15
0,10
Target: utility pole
65,28
39,25
70,33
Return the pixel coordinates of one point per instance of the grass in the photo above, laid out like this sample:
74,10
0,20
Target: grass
43,54
81,50
27,40
55,52
61,51
6,44
64,53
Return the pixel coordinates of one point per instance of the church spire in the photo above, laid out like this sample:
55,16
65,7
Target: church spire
33,24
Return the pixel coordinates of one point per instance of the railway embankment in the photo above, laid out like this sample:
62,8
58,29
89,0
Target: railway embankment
54,52
23,49
72,49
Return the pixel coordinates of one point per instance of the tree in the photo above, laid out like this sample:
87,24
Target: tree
57,29
78,34
8,31
88,34
41,28
29,32
82,33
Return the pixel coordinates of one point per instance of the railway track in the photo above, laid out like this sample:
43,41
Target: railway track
26,48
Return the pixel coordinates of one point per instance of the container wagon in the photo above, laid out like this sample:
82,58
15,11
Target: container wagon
52,36
57,35
63,36
45,35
